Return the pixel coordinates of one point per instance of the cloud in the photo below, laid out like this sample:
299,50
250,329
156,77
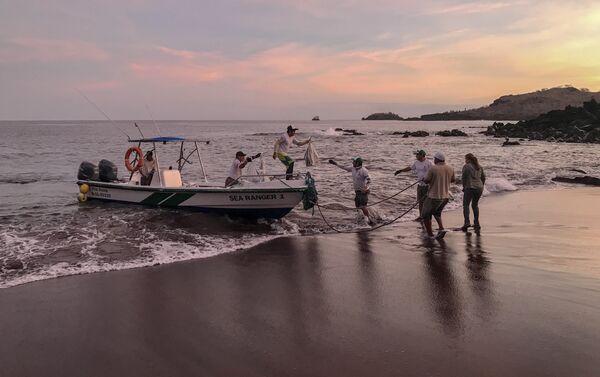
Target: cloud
469,8
21,49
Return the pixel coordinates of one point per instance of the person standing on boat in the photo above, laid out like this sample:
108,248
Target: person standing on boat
360,183
282,144
419,167
473,179
147,169
235,171
439,178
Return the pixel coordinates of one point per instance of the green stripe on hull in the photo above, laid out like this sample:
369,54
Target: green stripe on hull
176,200
156,198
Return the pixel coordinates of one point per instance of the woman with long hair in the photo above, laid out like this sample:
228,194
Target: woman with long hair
473,179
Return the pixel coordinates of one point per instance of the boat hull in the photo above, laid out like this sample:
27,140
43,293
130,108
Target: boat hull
257,202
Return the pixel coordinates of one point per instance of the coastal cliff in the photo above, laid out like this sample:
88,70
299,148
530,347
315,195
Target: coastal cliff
521,106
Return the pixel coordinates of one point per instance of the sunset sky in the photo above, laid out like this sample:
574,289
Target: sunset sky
284,59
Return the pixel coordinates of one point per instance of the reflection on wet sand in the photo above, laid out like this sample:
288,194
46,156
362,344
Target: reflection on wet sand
446,299
369,280
478,266
445,296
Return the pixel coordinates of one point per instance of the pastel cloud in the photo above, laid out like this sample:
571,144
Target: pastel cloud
48,50
298,52
470,7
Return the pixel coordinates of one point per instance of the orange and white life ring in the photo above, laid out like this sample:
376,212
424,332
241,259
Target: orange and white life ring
140,159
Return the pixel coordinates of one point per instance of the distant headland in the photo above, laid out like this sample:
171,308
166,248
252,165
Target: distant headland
510,107
522,106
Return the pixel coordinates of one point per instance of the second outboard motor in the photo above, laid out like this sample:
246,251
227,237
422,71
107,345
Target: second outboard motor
108,171
87,171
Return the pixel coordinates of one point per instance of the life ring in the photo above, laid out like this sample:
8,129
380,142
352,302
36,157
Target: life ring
140,157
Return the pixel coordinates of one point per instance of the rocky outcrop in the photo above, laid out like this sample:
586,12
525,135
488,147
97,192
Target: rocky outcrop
585,180
383,116
521,106
454,132
571,125
349,132
14,264
412,134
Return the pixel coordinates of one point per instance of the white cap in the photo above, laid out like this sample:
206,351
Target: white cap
439,156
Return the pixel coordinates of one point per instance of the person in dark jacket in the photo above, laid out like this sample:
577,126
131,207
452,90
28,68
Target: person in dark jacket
473,180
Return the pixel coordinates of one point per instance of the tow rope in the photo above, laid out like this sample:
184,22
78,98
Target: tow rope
316,203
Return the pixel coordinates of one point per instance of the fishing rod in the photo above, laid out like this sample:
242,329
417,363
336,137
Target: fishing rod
102,112
155,124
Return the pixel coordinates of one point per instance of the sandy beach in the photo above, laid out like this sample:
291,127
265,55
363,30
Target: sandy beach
520,299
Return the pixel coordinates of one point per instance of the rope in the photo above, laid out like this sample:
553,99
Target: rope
372,204
390,197
366,230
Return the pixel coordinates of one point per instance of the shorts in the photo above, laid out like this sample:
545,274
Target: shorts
361,199
433,207
285,159
422,192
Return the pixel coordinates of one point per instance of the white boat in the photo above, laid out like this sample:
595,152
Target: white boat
254,196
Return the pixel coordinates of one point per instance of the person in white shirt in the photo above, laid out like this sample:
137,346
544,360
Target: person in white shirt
360,183
282,144
420,168
235,171
147,169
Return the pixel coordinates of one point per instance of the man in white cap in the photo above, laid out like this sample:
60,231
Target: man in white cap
282,144
419,167
439,178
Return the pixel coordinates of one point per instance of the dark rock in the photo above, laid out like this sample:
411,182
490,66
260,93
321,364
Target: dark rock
454,132
383,116
352,133
413,133
339,129
14,264
586,180
572,125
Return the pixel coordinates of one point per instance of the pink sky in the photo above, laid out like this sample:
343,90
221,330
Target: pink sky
264,59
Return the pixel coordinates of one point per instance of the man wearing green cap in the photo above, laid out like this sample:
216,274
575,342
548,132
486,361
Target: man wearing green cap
360,182
420,168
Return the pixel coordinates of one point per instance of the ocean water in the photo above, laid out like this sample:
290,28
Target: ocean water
43,225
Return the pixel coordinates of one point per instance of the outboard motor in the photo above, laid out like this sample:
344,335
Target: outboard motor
108,171
87,171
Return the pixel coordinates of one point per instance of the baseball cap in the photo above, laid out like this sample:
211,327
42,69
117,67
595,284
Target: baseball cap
439,156
420,152
357,160
291,129
240,153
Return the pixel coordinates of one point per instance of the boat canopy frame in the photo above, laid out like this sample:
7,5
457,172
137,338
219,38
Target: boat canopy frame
181,161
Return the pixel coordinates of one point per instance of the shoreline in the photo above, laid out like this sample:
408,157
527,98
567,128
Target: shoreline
133,265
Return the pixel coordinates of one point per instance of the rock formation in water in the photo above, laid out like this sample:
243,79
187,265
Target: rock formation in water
571,125
454,132
383,116
585,180
411,133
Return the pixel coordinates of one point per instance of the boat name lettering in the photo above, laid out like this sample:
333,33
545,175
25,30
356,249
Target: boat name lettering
100,192
237,198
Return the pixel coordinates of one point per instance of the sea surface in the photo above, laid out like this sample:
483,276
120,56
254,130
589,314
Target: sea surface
43,226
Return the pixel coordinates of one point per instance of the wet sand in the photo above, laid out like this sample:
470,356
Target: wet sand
520,299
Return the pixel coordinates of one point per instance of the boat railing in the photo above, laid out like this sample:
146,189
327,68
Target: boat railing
275,176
